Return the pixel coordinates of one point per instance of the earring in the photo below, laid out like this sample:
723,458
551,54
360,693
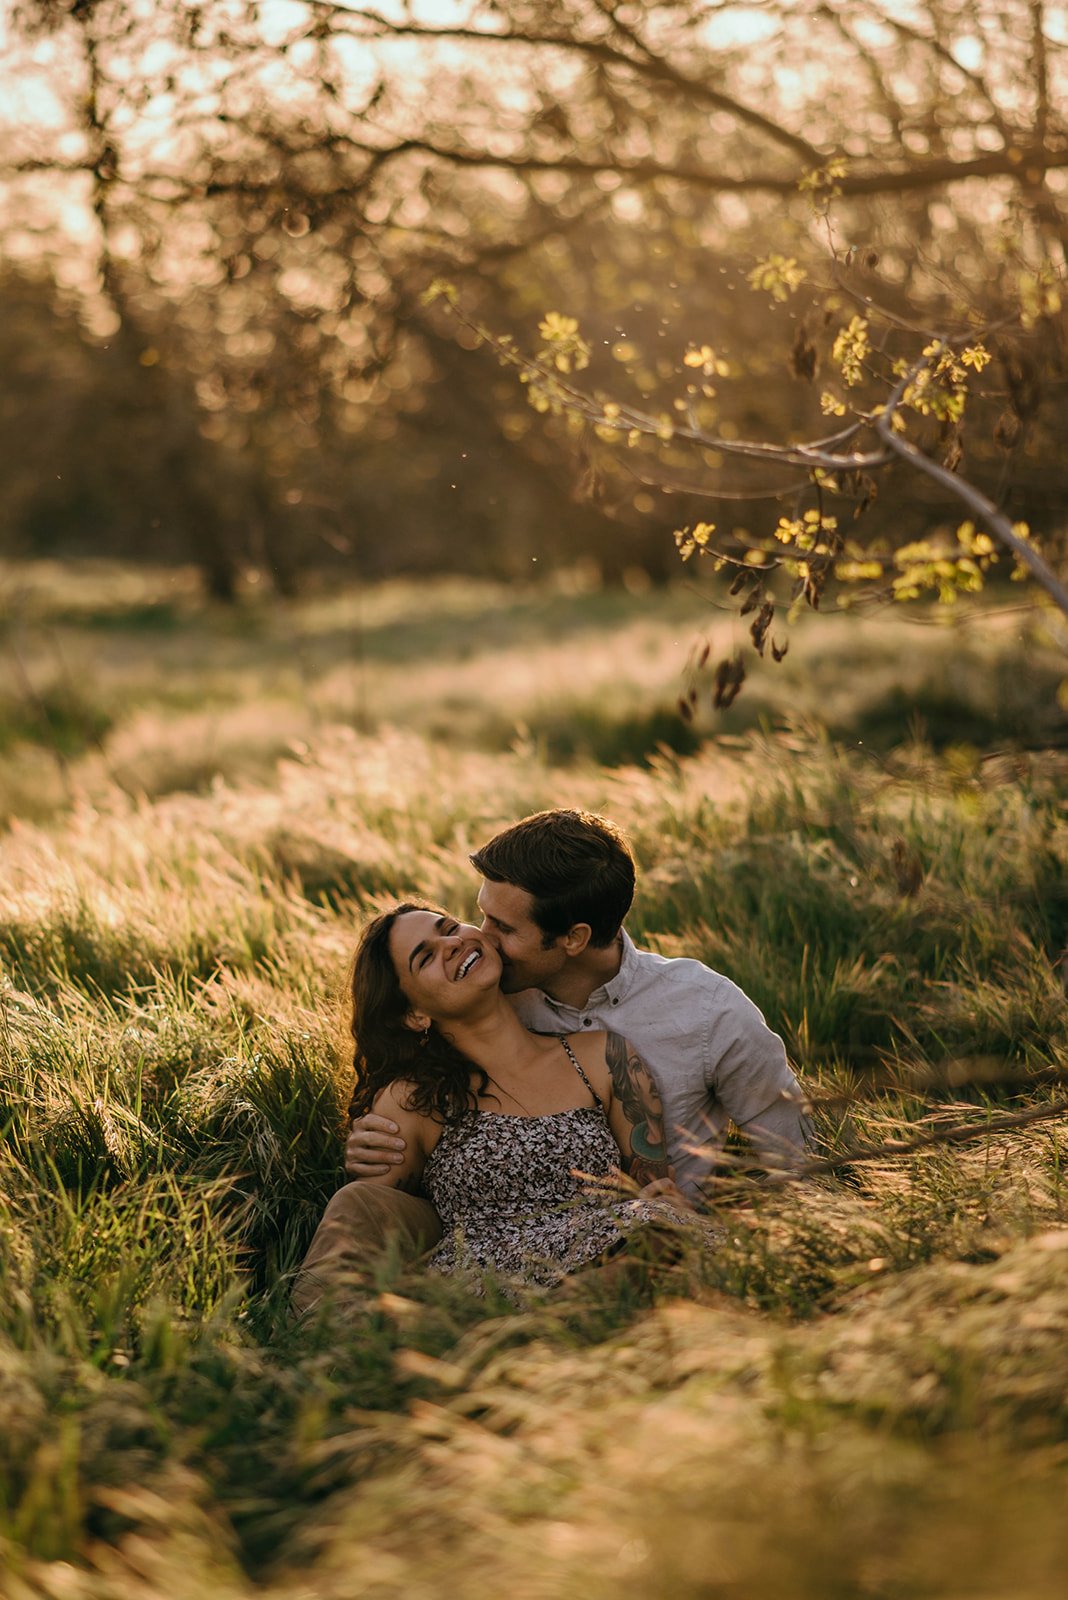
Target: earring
424,1036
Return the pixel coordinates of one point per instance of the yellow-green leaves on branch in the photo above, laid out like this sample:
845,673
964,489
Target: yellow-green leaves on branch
609,429
939,388
943,574
563,351
851,349
688,540
876,388
938,567
1022,569
706,359
440,289
858,571
1040,295
779,276
981,545
824,183
563,346
1015,537
812,532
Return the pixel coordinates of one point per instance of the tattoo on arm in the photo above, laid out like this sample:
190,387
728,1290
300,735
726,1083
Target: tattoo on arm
633,1087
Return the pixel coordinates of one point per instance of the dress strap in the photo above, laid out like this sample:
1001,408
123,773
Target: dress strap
574,1060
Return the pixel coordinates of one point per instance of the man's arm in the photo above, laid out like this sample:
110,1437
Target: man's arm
749,1075
782,1132
635,1113
401,1165
375,1145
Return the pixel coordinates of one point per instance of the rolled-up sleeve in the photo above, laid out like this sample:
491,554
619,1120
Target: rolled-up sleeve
746,1070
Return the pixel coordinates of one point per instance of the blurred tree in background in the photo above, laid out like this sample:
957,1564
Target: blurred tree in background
221,220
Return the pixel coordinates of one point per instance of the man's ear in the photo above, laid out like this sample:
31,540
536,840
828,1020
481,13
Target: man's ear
418,1021
576,938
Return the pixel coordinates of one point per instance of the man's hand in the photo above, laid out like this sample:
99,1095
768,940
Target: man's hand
665,1189
373,1146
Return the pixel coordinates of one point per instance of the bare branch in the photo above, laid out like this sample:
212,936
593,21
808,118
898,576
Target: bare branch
960,1133
915,178
934,44
648,65
1041,70
720,1188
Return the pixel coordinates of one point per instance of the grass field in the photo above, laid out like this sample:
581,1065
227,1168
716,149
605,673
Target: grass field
862,1393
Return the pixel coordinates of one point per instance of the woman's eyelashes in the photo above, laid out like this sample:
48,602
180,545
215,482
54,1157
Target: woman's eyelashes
428,955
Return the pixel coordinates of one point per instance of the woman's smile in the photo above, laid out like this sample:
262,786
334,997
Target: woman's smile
430,950
466,964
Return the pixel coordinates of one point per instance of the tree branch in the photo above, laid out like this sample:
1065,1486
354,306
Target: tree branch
961,1133
971,497
894,1149
1012,163
813,453
1041,70
650,66
885,15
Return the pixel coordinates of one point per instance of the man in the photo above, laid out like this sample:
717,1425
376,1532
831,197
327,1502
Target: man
556,888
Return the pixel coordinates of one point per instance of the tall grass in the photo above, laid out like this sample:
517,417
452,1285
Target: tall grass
861,1392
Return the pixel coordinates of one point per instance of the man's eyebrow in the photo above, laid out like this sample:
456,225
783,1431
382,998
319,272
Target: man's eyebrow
421,946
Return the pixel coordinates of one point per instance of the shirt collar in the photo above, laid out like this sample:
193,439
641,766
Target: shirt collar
614,990
618,987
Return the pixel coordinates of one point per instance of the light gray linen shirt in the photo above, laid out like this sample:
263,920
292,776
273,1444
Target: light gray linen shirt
711,1054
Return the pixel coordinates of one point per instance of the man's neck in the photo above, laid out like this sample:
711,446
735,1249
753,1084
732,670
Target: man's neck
574,984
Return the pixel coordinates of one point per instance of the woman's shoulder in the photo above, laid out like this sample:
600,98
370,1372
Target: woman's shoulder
397,1100
609,1058
592,1051
419,1127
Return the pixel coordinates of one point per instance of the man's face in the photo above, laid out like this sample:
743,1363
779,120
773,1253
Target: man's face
506,919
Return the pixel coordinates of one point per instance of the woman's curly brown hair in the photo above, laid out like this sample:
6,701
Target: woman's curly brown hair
444,1083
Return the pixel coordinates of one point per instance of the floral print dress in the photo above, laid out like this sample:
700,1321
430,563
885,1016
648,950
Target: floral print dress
514,1192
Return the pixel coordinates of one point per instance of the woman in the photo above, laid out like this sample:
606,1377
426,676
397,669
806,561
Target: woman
504,1129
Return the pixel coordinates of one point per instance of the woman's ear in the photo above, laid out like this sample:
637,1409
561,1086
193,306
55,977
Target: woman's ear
418,1021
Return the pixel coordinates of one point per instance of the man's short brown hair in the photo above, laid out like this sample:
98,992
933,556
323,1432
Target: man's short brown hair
578,867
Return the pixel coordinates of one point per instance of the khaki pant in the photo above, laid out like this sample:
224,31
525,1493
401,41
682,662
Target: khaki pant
360,1222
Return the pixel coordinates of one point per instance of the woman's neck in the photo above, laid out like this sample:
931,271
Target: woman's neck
491,1036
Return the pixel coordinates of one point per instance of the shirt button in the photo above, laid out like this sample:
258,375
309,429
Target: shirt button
586,1021
615,1002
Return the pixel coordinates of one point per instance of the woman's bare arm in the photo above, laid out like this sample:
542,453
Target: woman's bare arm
418,1132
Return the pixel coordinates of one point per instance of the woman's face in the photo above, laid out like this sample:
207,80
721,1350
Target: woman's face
443,966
